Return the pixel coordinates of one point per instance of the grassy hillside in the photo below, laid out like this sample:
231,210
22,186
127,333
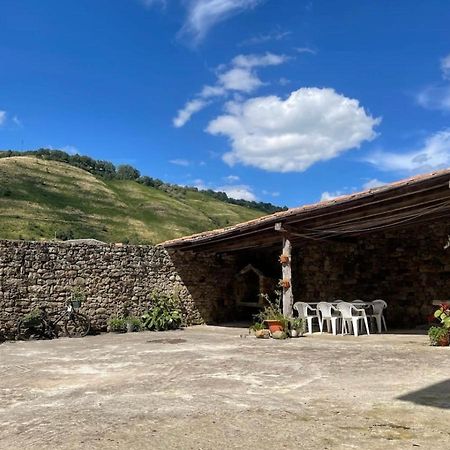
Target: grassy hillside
42,199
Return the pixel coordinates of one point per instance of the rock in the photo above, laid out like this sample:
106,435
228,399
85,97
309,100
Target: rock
279,335
262,334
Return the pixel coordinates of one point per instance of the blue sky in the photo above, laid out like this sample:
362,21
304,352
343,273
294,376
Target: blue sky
286,101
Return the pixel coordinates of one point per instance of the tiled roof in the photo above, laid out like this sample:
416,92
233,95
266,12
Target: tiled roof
305,209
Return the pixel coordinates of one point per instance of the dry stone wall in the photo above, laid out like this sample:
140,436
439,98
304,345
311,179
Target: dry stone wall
112,276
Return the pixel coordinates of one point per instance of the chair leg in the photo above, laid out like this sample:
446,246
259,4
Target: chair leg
328,325
378,319
367,326
355,325
384,322
333,326
321,325
309,326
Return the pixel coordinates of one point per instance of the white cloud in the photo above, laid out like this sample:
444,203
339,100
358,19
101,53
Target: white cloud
445,67
180,162
150,3
306,50
241,191
290,135
185,113
204,14
16,121
238,77
373,183
434,154
250,61
437,96
71,149
276,35
326,196
273,194
231,178
2,117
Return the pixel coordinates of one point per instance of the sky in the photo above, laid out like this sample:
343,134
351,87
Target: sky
285,101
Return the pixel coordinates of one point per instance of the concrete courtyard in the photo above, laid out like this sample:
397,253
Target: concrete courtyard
217,387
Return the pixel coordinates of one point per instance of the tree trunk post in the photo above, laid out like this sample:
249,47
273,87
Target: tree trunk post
288,298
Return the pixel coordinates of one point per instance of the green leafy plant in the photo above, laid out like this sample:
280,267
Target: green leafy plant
164,313
443,314
134,323
257,326
437,335
33,318
77,297
440,335
297,324
117,324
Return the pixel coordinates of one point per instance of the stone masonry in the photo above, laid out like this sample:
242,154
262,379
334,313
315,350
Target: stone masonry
112,276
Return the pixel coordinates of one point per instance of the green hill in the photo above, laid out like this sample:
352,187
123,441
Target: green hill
43,199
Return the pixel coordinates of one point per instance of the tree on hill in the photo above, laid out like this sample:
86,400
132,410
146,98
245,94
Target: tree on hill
106,169
127,172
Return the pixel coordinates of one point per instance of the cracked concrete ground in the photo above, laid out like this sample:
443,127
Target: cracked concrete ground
216,387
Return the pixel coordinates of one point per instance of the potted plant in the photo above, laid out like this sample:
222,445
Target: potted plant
77,297
440,335
271,314
296,327
284,259
286,284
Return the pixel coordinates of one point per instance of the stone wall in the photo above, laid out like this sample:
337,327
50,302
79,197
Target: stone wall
33,273
408,268
209,279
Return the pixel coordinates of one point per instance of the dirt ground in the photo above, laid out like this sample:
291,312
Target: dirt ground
217,387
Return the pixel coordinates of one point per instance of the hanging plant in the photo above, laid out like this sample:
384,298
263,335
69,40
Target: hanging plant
284,259
286,284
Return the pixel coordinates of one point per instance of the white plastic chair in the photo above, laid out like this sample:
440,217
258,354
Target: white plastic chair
359,301
377,313
308,313
351,315
329,314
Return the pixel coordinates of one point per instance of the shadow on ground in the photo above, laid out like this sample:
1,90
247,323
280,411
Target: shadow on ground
437,395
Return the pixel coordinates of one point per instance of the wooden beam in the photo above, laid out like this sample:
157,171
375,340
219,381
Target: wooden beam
288,298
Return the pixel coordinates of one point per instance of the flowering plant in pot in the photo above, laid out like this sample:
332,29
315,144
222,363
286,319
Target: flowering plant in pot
271,314
284,259
77,297
440,335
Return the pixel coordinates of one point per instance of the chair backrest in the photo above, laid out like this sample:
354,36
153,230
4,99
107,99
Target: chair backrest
346,309
325,309
378,306
359,301
302,309
338,301
379,300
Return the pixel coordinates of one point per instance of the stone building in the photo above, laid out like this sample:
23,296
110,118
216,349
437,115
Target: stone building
389,242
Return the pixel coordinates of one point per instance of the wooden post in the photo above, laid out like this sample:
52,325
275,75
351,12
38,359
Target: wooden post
288,298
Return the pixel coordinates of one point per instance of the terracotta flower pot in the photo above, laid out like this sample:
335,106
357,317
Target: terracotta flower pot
284,259
444,341
274,325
